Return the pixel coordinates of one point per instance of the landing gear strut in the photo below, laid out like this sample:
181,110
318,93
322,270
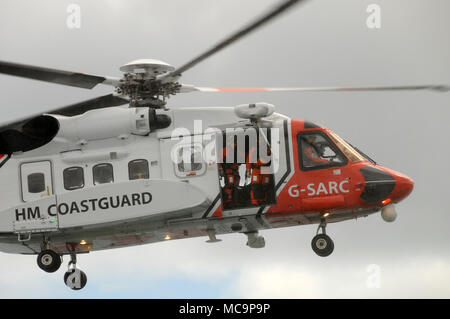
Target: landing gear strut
74,278
322,243
48,260
254,240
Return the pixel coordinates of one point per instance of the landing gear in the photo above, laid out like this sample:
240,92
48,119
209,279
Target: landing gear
322,243
212,236
48,260
254,240
74,278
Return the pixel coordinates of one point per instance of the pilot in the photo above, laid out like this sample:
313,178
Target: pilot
311,152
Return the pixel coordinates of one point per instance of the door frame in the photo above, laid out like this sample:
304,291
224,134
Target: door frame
22,189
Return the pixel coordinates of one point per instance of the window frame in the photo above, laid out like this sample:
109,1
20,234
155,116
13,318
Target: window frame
333,147
43,166
148,169
349,151
64,178
93,173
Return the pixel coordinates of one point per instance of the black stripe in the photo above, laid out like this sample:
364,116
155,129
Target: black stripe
211,206
8,156
288,157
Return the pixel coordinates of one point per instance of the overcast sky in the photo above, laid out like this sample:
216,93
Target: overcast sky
320,43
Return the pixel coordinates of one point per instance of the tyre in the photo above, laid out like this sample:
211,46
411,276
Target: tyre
322,245
75,279
49,261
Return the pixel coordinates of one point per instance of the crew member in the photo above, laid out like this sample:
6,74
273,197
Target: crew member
260,183
229,170
310,153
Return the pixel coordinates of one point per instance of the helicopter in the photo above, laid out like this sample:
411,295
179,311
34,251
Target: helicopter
125,169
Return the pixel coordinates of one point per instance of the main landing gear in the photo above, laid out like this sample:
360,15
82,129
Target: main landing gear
49,261
322,243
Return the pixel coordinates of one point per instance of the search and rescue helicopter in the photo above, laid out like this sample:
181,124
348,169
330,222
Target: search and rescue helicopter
124,169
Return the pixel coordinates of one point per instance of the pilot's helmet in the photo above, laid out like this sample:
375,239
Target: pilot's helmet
309,139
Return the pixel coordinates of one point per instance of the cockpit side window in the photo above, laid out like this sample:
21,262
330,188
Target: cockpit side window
317,151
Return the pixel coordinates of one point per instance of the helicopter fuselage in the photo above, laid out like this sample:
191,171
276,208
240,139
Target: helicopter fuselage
108,180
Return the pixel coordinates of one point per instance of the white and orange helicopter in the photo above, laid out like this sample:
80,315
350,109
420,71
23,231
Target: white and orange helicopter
124,169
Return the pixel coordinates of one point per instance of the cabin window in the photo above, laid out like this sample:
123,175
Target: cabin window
73,178
138,169
103,173
189,160
318,151
36,183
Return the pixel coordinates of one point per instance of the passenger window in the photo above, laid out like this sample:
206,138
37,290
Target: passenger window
103,173
73,178
138,169
317,151
189,160
36,183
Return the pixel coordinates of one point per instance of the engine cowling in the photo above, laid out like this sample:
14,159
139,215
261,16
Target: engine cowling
111,122
28,135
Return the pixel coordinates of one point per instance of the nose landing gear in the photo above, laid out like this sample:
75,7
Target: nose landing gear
322,243
74,278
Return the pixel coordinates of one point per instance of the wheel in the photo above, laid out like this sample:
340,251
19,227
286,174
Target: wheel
322,245
49,261
75,279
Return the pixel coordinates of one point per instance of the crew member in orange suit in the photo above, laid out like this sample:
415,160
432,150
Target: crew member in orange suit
230,171
260,182
310,153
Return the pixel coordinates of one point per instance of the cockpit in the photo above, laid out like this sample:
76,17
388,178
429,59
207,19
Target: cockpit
322,149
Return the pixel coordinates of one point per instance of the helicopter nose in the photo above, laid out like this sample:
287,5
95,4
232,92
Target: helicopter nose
403,187
384,185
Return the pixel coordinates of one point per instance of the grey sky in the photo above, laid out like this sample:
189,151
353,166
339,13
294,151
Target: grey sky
321,43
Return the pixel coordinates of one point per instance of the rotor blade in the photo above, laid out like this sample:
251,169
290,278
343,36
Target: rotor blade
92,104
234,37
438,88
80,80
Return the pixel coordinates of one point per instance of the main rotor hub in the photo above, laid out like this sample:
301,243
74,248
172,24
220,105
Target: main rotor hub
141,84
147,68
